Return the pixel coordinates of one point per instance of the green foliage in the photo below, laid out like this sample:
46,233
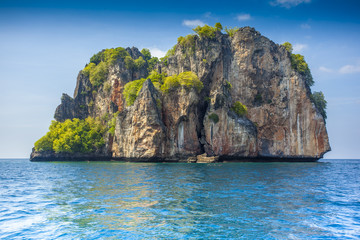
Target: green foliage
107,87
131,90
97,58
190,80
298,64
88,69
114,54
318,99
187,80
187,43
132,64
110,56
231,31
129,63
204,61
214,117
206,31
288,46
163,83
91,103
228,85
164,60
171,52
139,63
170,83
146,53
73,136
112,123
156,77
152,63
97,69
218,26
239,108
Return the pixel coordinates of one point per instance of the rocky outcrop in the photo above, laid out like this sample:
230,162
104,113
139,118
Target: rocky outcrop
281,122
139,131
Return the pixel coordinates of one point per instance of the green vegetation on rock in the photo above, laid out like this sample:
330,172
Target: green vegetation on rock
112,123
318,99
152,63
218,26
231,31
97,73
132,89
214,117
146,53
239,108
228,85
110,55
298,64
187,80
98,68
71,136
206,31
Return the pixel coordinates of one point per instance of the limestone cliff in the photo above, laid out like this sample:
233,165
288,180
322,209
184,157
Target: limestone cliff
282,122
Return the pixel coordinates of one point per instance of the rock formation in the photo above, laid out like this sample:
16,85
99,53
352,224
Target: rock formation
282,123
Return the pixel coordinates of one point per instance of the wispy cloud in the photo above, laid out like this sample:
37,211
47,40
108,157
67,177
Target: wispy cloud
193,23
298,48
347,69
243,17
155,52
325,69
305,26
288,3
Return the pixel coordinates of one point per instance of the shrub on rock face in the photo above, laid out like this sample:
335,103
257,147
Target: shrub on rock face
146,53
187,80
190,80
319,100
214,117
239,108
298,64
231,31
131,90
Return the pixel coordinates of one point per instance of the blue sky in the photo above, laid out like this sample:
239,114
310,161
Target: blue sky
44,44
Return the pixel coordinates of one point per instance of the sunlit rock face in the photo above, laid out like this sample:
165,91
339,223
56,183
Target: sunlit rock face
281,121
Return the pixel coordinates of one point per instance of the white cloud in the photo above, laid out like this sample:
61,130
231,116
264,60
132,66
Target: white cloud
288,3
193,23
350,69
305,26
297,48
325,69
243,17
155,52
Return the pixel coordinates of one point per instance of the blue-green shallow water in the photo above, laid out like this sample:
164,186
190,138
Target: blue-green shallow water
113,200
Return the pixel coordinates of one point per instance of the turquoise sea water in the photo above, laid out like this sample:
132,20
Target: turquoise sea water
114,200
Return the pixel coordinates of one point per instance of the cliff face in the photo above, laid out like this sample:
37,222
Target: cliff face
281,122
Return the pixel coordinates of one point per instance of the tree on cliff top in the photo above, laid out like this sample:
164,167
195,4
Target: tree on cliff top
299,64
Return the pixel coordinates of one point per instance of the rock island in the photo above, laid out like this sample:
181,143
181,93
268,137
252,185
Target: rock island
218,95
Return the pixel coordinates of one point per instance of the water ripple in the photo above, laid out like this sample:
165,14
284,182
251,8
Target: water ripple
111,200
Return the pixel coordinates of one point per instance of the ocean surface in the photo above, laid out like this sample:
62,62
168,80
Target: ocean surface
116,200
